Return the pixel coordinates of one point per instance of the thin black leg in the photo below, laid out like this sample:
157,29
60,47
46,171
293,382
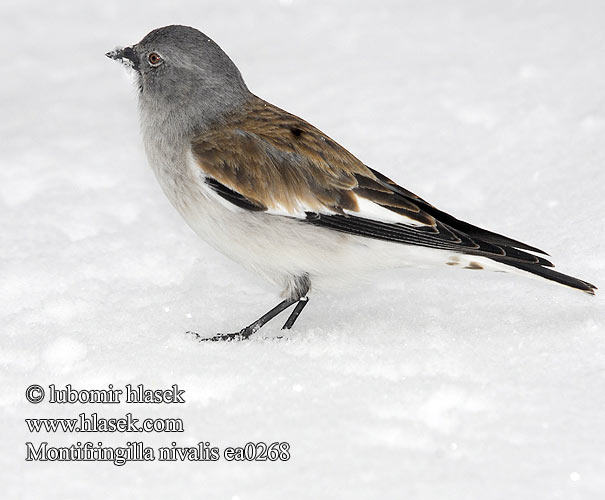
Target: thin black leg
296,313
254,327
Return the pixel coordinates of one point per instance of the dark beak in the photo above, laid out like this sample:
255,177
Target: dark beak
127,56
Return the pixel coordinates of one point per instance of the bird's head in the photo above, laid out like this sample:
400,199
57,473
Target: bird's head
180,66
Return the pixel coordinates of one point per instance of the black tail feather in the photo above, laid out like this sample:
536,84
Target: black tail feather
550,274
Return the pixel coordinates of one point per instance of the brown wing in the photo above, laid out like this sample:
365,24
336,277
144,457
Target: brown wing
276,160
265,158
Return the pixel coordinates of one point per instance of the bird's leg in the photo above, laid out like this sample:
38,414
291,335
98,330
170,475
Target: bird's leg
296,290
254,327
302,302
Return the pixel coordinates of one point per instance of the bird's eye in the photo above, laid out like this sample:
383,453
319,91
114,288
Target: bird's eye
154,59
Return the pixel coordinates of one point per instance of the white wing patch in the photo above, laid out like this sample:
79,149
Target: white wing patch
282,212
372,211
299,213
367,210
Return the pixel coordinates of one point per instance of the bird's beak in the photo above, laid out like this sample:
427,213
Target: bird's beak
127,56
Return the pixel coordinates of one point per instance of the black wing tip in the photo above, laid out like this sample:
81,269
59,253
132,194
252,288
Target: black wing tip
529,248
474,232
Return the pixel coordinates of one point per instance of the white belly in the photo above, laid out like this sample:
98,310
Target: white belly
278,248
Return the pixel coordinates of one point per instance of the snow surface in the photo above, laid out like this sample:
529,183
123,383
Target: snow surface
442,384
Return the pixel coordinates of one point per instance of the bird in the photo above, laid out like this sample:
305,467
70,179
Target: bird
280,197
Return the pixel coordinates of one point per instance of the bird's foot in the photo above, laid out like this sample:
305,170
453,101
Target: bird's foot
243,334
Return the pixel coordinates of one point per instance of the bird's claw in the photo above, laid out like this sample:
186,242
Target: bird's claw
243,334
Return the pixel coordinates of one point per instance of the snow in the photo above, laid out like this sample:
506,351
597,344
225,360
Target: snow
423,384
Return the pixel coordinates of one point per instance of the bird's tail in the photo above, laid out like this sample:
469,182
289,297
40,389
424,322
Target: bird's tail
550,274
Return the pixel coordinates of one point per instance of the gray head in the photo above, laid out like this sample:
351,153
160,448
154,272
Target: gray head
180,68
